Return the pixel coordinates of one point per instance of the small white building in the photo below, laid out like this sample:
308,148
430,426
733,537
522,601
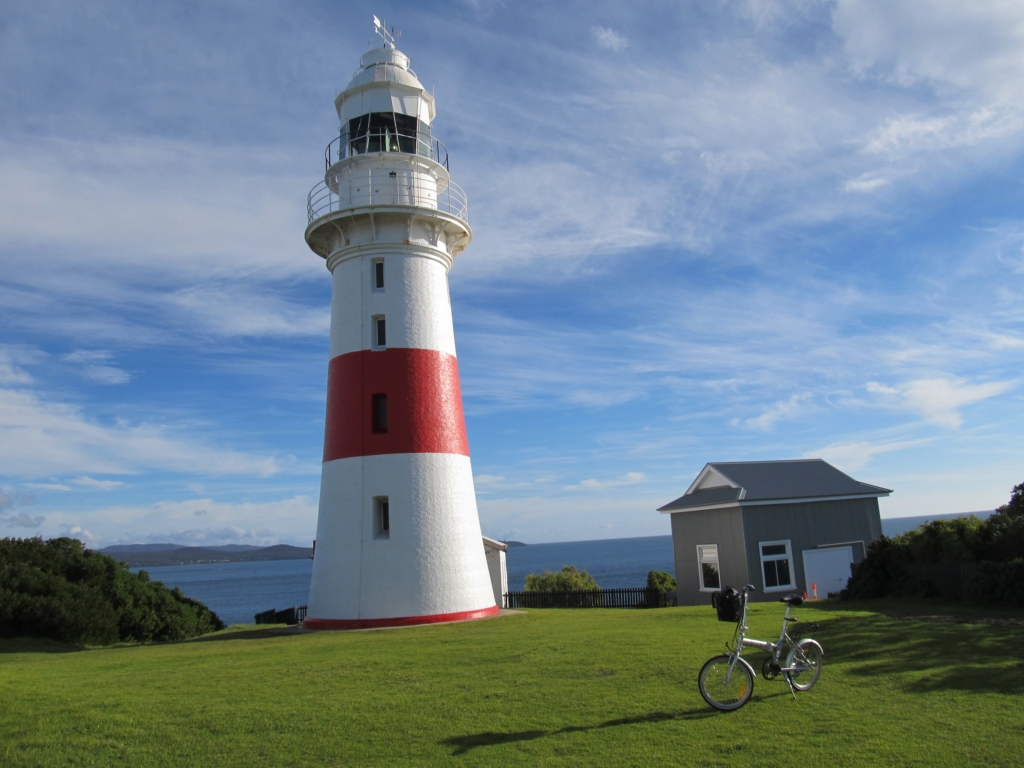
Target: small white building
495,552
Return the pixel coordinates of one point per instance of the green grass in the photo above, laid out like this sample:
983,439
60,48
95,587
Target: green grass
588,688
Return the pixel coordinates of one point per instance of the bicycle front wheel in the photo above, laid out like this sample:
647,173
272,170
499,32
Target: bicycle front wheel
805,660
724,690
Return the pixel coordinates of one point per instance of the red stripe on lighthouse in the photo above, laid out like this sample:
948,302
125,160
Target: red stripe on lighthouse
401,621
424,404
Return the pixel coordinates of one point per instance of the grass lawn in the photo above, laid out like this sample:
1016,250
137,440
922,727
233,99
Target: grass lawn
548,687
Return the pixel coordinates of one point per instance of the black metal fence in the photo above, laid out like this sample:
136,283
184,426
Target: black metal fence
294,615
949,580
641,597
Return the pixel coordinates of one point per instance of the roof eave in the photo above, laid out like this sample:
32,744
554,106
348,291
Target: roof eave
763,502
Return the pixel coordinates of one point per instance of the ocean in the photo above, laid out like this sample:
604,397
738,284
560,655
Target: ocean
238,591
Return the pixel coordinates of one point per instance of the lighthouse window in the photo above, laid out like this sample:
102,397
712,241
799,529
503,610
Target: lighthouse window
378,275
379,408
380,338
382,132
382,516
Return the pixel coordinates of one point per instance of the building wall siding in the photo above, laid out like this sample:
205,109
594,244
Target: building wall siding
723,527
807,526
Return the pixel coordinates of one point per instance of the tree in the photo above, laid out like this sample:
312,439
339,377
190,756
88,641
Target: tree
661,581
59,590
567,580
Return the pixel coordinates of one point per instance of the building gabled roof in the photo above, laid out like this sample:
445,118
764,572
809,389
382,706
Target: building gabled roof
743,483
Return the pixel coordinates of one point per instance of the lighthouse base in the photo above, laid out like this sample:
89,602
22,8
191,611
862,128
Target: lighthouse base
399,621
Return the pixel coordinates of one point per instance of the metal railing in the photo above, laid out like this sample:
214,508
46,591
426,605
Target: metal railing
383,187
640,597
291,616
344,147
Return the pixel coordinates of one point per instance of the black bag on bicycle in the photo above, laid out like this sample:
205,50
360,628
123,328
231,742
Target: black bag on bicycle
728,603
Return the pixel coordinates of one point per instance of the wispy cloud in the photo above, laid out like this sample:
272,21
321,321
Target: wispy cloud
783,409
290,520
856,455
865,183
22,520
40,437
630,478
938,400
610,39
102,485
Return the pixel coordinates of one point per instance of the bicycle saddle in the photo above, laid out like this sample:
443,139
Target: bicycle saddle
793,600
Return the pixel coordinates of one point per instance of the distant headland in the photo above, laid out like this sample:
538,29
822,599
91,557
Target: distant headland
151,555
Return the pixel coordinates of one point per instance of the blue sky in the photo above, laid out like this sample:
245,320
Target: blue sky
704,231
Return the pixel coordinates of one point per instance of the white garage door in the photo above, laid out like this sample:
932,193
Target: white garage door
828,568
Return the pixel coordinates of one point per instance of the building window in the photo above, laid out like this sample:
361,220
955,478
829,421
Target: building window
378,275
776,565
380,338
379,408
381,517
710,575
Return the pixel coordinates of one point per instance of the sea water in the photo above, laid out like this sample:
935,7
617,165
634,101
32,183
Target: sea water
238,591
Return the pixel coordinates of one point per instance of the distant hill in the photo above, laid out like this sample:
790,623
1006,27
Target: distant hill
514,544
118,548
894,526
239,553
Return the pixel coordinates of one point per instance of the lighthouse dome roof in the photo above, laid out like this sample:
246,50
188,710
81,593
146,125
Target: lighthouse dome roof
384,65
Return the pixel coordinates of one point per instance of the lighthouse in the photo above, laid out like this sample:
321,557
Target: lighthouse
398,533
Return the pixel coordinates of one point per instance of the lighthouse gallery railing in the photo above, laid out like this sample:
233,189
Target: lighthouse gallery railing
323,201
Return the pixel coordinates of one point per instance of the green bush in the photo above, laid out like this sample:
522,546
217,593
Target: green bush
59,590
661,581
998,584
566,580
996,544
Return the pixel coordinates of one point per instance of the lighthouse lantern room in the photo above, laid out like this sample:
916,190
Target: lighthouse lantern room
398,534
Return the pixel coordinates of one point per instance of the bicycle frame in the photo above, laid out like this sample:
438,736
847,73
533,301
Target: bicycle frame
774,649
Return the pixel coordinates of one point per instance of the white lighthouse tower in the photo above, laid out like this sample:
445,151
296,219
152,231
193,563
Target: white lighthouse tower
398,535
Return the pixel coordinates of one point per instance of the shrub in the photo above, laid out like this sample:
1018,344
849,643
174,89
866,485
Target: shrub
996,544
566,580
661,581
59,590
998,584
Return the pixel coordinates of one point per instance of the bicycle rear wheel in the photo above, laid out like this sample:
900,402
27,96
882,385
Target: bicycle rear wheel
723,690
808,663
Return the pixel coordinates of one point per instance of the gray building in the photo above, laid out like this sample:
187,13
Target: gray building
783,526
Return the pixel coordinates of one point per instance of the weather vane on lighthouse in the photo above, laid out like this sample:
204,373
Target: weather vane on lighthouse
381,28
398,532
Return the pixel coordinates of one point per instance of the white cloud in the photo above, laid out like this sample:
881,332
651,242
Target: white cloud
852,456
38,437
103,485
865,183
49,486
782,409
487,479
77,532
11,359
214,209
946,43
92,368
938,400
610,39
630,478
291,520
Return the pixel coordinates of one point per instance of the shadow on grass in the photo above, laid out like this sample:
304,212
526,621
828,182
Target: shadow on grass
462,744
248,634
40,645
924,651
37,645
